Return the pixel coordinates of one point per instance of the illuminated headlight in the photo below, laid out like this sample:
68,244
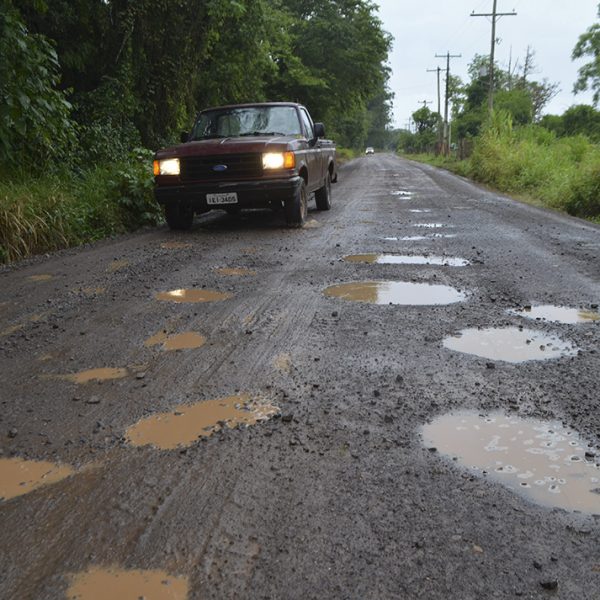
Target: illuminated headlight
168,166
279,160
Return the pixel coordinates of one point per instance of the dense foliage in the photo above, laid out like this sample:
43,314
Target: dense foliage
87,84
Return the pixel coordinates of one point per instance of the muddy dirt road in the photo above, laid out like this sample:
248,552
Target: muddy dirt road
365,408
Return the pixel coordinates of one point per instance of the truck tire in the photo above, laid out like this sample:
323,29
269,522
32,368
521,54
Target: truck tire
323,195
179,216
296,208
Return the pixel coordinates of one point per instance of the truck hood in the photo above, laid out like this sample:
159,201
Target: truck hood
233,145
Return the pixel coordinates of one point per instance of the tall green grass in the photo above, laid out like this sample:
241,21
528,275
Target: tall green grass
45,213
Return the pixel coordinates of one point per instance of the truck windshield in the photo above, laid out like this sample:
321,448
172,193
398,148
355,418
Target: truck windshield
247,121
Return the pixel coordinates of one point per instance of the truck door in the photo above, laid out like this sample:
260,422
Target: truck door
314,158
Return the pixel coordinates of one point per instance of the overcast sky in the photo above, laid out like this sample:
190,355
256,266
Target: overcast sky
424,28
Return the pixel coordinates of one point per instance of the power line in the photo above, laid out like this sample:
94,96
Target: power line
446,130
495,15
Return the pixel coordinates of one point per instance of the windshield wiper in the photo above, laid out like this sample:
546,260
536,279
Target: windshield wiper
257,133
209,137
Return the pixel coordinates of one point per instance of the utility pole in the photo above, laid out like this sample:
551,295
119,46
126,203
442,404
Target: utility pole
495,15
446,134
438,70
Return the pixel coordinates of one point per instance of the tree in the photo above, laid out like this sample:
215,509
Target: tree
589,74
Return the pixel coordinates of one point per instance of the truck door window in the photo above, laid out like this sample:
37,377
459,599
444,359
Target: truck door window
308,126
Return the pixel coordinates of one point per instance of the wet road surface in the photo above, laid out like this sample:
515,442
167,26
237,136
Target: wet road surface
241,411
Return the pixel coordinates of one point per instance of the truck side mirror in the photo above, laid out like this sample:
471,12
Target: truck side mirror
184,136
319,130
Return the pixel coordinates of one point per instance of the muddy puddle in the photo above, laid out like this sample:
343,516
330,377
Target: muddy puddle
19,476
175,245
558,314
186,423
283,362
120,584
401,259
235,272
42,277
395,292
312,224
509,344
540,460
117,265
193,295
431,225
99,374
187,340
402,193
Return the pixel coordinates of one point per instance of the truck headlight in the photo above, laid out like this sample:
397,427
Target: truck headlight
168,166
279,160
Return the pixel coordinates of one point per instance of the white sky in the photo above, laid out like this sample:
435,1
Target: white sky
424,28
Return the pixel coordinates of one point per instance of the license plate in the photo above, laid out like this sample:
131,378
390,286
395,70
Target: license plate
228,198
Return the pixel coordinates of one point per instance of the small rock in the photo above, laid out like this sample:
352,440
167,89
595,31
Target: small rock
334,313
12,433
140,375
388,419
537,565
93,400
376,393
287,418
490,365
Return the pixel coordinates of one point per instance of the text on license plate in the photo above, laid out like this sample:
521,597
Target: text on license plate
228,198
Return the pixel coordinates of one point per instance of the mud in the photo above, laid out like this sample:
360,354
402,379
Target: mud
395,292
186,423
193,296
117,265
509,344
175,245
180,341
235,272
41,277
19,476
114,583
98,374
543,461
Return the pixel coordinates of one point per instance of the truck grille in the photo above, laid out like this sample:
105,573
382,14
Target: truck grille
239,166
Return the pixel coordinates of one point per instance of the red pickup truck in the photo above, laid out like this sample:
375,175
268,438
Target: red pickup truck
267,155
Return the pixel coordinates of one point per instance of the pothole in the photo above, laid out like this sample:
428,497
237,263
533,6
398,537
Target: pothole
312,224
430,225
509,344
402,193
99,583
401,259
116,265
41,277
19,476
541,460
395,292
175,245
420,210
193,295
235,272
99,374
416,238
187,340
558,314
186,423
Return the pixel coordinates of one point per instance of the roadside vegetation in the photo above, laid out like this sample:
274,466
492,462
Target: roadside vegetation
551,160
89,89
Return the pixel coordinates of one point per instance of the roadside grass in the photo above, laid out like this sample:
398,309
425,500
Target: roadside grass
535,166
54,211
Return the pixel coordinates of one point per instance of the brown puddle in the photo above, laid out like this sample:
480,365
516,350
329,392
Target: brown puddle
19,476
510,344
193,295
395,292
101,374
43,277
175,245
186,423
113,583
400,259
115,265
283,363
180,341
558,314
312,224
235,272
541,460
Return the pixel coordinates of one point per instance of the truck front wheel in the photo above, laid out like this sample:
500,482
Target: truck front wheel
323,195
179,216
296,208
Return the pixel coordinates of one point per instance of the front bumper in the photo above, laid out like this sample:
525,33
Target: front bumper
262,193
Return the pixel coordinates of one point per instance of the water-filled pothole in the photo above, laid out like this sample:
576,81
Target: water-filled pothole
99,583
395,292
99,374
431,225
19,476
193,295
558,314
402,193
416,238
401,259
235,272
509,344
41,277
186,423
179,341
175,245
544,461
117,265
420,210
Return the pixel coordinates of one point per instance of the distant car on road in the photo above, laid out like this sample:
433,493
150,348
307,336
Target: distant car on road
369,150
